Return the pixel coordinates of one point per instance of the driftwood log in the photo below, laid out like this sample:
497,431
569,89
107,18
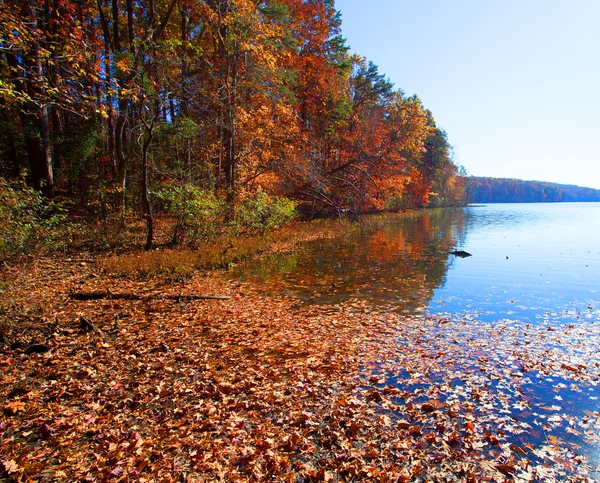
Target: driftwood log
134,296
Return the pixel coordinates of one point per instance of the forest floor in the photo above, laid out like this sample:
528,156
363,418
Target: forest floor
257,388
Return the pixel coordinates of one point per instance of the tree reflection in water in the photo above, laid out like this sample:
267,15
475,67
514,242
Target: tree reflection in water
392,262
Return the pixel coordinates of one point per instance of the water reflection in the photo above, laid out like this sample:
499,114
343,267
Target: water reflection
390,262
533,263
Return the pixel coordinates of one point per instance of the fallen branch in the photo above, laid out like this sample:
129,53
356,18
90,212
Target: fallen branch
87,325
134,296
196,297
37,349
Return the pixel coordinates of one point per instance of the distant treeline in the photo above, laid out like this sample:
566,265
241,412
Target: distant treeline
503,190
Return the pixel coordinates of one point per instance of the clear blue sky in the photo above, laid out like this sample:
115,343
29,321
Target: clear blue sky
515,83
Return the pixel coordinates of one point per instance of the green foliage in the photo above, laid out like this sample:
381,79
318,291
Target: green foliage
435,201
275,11
397,203
185,130
25,219
81,158
177,145
260,212
196,212
368,85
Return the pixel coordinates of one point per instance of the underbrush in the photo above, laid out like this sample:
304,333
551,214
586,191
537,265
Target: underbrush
190,234
26,219
221,252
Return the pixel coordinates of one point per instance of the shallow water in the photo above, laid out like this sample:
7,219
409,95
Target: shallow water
531,262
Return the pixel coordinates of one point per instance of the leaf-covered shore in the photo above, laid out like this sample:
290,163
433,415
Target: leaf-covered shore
256,388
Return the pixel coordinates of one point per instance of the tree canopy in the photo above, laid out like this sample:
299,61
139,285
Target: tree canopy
116,100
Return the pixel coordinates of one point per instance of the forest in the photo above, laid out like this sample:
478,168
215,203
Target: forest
218,107
502,190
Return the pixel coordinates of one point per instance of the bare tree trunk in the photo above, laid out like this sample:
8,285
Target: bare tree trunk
121,119
185,74
110,126
145,191
145,141
120,155
36,128
230,132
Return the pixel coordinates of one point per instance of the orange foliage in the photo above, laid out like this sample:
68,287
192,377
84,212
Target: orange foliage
241,94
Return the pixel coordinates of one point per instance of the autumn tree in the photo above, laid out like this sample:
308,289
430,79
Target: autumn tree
438,168
382,130
47,69
320,67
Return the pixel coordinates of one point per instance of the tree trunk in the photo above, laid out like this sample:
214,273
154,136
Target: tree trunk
145,194
121,119
37,141
230,134
229,171
110,125
12,152
120,155
36,128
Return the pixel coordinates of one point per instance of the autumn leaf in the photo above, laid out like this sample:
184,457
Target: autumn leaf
46,431
508,469
13,408
517,449
9,466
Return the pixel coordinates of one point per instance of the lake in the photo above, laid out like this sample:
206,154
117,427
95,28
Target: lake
513,328
537,263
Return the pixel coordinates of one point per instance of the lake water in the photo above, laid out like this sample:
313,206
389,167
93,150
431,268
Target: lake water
531,262
518,321
536,263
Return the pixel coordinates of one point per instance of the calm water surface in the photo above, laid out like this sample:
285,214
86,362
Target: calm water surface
531,262
535,263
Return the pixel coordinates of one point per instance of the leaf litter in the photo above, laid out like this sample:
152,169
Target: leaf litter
257,388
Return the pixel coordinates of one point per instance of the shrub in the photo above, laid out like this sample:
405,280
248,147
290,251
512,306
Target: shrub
397,203
260,212
25,219
196,212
